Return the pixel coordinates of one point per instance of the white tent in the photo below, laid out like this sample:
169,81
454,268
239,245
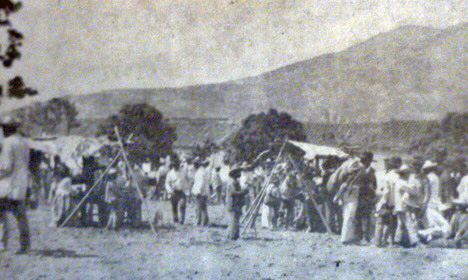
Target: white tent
71,149
311,150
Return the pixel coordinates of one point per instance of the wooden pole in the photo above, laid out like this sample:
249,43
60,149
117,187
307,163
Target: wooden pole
124,154
91,190
265,186
263,193
311,195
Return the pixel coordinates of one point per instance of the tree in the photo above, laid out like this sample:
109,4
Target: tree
56,116
9,51
59,111
260,132
152,135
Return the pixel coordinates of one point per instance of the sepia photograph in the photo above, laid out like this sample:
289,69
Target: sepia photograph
234,139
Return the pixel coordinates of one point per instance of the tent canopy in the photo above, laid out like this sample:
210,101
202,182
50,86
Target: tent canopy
69,148
311,150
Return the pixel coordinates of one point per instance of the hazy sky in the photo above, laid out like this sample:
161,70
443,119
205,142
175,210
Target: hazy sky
84,46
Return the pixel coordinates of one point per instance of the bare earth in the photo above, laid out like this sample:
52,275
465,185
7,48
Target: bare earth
190,252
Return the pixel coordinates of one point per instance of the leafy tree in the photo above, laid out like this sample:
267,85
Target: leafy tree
56,116
60,111
260,132
9,50
152,135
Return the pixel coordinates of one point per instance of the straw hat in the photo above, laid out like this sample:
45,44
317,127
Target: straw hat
405,169
429,164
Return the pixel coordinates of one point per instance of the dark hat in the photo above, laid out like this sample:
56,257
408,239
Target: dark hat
235,172
395,161
417,162
367,156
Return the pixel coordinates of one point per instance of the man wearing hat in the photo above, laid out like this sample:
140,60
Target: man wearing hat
14,175
113,197
367,197
177,188
386,221
406,209
234,202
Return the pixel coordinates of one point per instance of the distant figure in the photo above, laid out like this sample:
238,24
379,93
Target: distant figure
14,176
234,202
113,197
201,191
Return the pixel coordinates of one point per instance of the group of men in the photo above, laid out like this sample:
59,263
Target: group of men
415,201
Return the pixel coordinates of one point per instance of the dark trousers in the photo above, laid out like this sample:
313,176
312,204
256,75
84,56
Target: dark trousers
334,215
364,228
313,217
233,228
287,209
202,210
385,228
18,209
178,200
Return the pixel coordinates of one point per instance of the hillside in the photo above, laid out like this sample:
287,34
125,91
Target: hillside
409,73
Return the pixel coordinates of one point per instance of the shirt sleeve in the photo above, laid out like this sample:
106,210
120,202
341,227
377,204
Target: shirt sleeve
169,182
6,159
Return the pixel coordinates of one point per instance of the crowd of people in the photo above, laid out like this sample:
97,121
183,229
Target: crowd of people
414,202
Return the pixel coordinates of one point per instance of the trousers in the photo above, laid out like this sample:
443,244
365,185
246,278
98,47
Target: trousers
202,210
18,209
407,225
350,204
364,220
233,228
178,200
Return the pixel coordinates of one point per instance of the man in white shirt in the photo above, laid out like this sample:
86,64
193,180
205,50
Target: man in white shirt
386,221
14,176
176,188
201,191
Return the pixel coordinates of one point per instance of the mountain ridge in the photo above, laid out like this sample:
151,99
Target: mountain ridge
408,73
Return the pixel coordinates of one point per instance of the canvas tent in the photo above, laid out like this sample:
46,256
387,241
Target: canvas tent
71,149
312,151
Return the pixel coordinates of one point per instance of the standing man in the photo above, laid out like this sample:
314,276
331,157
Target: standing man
367,196
386,220
405,208
201,191
350,177
234,202
288,190
14,175
176,186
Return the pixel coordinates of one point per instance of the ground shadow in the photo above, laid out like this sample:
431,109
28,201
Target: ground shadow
60,253
253,238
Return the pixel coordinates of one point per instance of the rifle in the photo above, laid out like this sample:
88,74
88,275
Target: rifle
346,185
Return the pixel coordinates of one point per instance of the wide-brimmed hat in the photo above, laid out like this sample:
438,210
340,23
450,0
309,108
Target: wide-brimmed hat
404,168
429,164
460,201
245,165
9,121
235,172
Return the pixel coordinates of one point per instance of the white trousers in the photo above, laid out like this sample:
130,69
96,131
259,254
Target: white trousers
267,216
350,204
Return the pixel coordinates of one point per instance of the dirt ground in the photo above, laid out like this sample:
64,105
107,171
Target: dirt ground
190,252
